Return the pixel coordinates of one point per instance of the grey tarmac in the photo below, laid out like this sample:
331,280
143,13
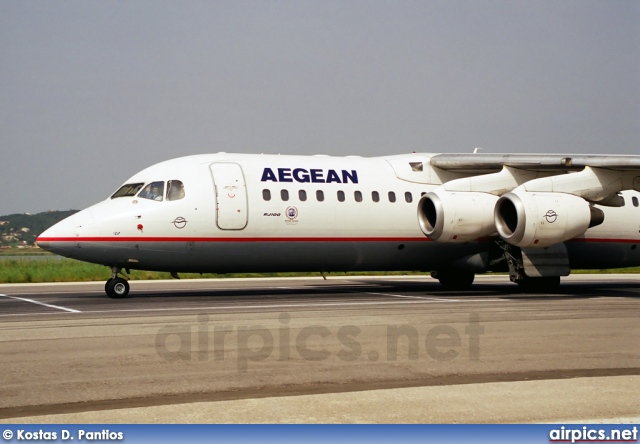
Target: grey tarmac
356,349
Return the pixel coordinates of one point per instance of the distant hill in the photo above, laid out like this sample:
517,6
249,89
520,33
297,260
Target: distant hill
23,229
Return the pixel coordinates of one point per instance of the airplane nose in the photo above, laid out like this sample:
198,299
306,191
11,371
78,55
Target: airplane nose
57,238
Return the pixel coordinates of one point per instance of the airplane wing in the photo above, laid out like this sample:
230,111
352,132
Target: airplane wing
530,200
482,163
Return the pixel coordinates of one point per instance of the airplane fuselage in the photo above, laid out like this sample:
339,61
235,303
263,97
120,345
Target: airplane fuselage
268,213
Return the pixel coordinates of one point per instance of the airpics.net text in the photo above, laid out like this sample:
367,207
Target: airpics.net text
206,340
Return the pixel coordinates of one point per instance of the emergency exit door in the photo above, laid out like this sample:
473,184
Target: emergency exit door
231,195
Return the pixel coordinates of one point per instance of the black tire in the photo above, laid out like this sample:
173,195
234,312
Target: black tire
544,284
117,288
455,279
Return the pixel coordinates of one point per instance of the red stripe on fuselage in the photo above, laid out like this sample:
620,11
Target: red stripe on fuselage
605,240
289,239
233,239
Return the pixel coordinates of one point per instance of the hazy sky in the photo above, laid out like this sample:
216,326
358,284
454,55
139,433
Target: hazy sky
93,91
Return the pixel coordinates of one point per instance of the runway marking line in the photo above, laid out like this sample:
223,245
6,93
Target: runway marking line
424,298
236,307
70,310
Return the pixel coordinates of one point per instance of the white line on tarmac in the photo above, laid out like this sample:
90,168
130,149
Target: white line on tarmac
70,310
424,298
407,300
59,292
320,305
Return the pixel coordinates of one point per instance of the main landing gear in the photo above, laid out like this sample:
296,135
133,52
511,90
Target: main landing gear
116,287
546,265
545,284
526,283
452,279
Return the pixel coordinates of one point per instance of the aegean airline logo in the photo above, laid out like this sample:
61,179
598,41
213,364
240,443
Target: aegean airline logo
306,176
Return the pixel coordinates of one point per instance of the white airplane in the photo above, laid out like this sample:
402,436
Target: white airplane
535,216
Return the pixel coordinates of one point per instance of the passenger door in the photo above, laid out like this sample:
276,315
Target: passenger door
231,195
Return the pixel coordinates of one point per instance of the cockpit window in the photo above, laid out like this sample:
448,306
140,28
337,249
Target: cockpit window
175,190
153,191
129,189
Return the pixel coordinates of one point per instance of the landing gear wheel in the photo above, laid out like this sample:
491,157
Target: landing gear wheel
106,285
539,284
454,279
117,288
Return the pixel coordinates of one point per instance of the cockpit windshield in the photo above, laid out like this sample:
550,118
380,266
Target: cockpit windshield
129,189
153,191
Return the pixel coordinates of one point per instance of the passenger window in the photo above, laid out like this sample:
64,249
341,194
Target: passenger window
127,190
357,196
634,199
375,196
175,190
320,195
341,196
284,195
392,196
266,194
408,197
302,195
153,191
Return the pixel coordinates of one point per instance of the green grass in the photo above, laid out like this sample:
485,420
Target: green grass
56,269
31,251
48,270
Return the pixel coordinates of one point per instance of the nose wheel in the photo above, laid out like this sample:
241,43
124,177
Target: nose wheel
116,287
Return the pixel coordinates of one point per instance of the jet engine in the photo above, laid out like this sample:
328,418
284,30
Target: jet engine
456,217
532,219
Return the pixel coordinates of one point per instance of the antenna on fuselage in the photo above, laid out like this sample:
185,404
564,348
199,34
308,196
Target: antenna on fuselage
476,149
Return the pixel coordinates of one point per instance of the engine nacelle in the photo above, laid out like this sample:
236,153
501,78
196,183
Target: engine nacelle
531,219
456,217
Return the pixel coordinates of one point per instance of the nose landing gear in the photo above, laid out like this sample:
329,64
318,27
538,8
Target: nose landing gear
116,287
